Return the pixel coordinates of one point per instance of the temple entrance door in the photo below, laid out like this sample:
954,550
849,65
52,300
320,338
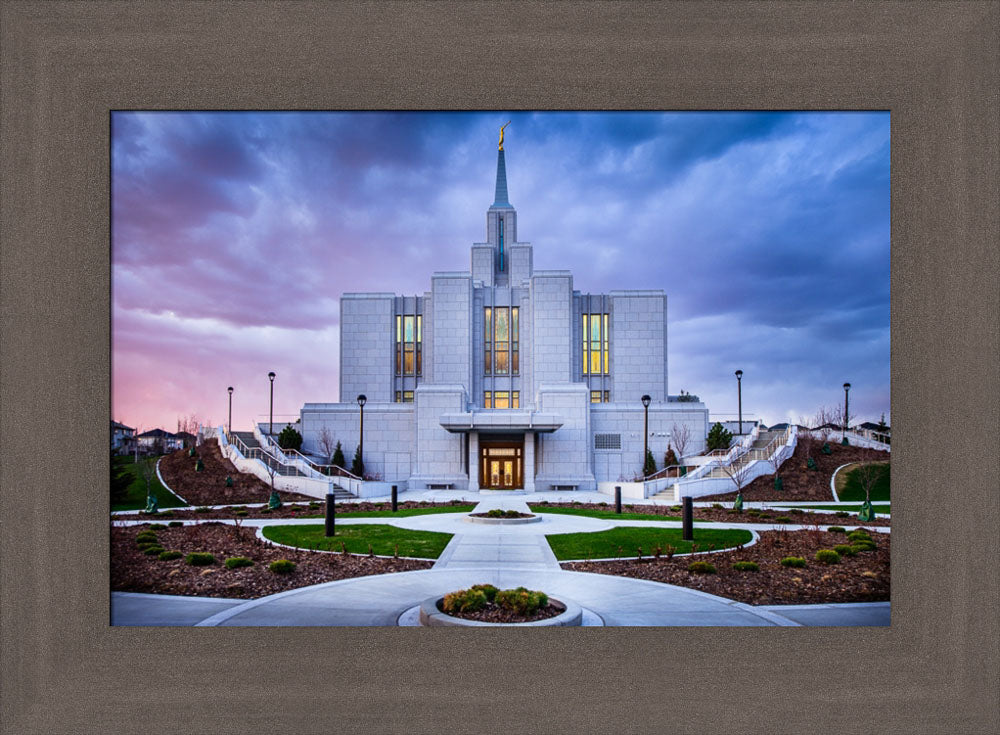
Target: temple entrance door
501,465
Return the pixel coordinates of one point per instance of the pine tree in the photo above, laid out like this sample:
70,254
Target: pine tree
718,437
357,466
670,458
338,456
649,467
121,479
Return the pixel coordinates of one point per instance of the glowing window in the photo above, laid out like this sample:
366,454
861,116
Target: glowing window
501,399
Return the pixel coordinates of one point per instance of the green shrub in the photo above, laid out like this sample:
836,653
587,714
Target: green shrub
836,529
487,589
241,512
202,509
765,516
289,438
145,534
718,437
265,510
863,546
235,562
793,561
151,550
157,527
845,550
168,555
859,535
796,511
175,524
464,601
282,566
827,556
495,513
717,506
521,600
732,511
783,519
199,559
753,512
701,567
746,566
603,504
166,514
842,514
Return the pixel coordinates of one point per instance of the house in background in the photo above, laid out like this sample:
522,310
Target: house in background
122,438
876,432
187,439
158,441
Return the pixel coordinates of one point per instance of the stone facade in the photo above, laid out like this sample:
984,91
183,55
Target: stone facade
504,376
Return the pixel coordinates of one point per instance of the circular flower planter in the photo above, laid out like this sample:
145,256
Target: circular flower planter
496,521
432,616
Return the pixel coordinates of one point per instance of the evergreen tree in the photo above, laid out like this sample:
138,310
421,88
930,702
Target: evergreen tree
121,479
670,458
289,438
649,467
718,437
357,466
338,456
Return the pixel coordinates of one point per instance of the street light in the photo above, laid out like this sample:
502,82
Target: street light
270,423
847,387
362,400
645,432
230,389
739,397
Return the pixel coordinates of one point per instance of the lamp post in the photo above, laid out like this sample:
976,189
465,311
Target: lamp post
847,387
230,389
362,400
645,432
739,397
270,424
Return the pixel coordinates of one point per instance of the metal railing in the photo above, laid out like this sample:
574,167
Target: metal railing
326,470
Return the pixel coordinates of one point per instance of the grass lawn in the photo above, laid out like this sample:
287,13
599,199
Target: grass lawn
626,540
879,507
383,539
402,512
136,499
849,488
604,514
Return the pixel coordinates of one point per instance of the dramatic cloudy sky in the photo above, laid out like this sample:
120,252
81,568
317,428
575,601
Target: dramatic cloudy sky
234,235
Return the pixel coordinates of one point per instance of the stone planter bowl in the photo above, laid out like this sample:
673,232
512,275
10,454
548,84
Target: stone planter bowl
432,616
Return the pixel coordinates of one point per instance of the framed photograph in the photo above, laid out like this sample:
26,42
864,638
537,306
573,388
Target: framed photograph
172,227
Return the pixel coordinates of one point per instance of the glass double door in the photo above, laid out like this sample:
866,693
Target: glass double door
500,467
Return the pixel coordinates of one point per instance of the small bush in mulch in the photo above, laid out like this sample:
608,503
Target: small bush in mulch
746,566
153,550
717,506
701,567
836,529
793,561
500,513
845,550
168,555
145,534
199,559
783,519
282,566
859,533
166,514
796,511
487,589
521,601
863,546
235,562
842,514
241,512
157,527
202,509
175,524
460,601
827,556
486,603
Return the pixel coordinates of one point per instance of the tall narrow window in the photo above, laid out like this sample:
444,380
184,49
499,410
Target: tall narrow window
606,368
399,398
488,399
500,238
595,344
586,358
488,340
420,339
515,399
501,340
513,341
408,345
399,345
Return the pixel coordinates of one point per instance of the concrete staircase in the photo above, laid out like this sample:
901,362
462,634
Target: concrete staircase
285,470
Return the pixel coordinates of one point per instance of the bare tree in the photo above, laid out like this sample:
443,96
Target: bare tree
806,440
869,470
681,436
327,443
147,471
840,418
824,417
738,470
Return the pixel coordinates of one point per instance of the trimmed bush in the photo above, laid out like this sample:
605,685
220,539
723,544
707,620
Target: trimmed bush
701,567
235,562
464,601
783,519
836,529
166,514
487,589
282,566
199,559
151,550
746,566
845,550
265,510
796,511
859,535
842,514
168,555
157,527
175,524
717,506
521,600
793,561
241,512
145,534
863,546
202,509
827,556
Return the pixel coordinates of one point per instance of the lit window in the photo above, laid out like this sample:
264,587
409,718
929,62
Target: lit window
586,364
399,344
420,339
607,395
407,396
408,365
488,399
595,396
594,344
501,340
488,340
398,397
513,340
515,399
501,399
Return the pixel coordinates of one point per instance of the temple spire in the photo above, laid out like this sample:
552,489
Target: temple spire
500,200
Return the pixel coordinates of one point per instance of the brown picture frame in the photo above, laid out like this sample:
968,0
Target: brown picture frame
65,65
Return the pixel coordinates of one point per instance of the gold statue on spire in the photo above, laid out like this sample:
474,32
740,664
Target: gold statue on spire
501,133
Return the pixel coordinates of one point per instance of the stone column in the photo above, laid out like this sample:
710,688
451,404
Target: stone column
474,461
529,461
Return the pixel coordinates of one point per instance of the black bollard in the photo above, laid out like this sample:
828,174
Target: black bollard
395,499
331,515
687,520
618,499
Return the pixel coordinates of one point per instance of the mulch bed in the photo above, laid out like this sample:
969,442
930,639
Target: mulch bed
507,514
861,578
493,613
133,571
208,487
800,482
285,511
723,514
